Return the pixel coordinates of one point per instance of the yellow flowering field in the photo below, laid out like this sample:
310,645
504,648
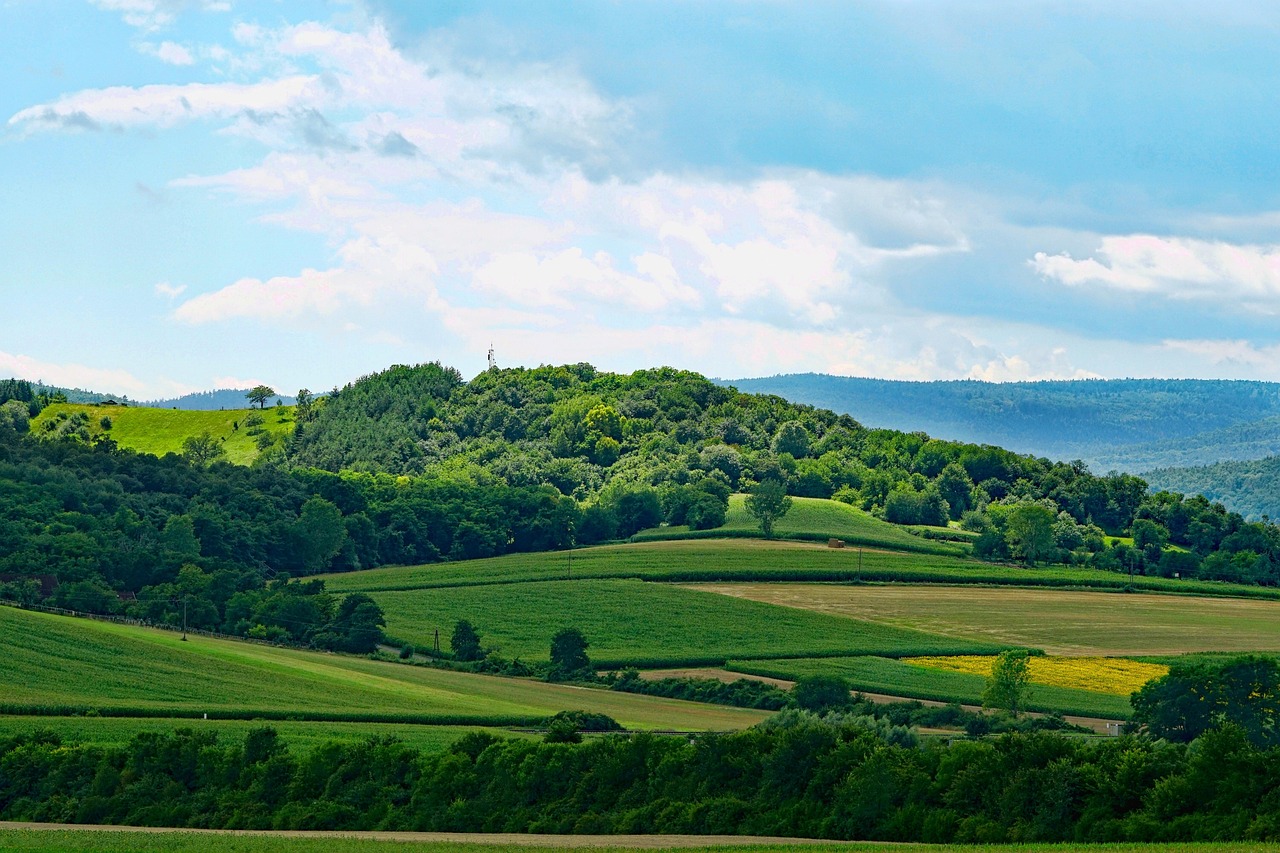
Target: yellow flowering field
1101,675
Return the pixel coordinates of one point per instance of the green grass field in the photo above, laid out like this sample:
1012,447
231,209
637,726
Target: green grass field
717,560
60,663
882,675
301,737
812,518
632,622
111,840
1062,622
161,431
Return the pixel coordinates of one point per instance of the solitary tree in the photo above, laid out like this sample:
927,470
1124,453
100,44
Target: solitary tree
767,503
465,642
1008,681
260,395
304,409
569,651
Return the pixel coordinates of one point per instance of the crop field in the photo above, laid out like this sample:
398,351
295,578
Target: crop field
300,736
813,518
161,431
632,622
1120,676
896,678
693,561
54,663
1062,622
115,840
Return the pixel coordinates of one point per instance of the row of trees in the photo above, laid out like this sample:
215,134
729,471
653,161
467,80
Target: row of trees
849,777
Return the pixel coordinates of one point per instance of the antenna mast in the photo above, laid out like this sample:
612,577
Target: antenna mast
493,362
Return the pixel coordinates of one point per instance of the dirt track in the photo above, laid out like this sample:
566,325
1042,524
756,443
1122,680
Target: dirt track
638,842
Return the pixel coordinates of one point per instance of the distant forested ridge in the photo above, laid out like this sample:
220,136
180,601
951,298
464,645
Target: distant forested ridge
1250,487
1131,425
212,401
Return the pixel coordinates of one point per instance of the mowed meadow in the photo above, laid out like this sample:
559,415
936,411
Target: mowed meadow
61,665
1061,622
161,431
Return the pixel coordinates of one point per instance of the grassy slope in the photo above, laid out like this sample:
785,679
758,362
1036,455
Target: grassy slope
632,622
60,661
747,559
161,431
813,518
881,675
1062,622
301,737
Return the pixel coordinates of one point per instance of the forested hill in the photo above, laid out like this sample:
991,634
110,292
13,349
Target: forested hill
1251,487
1127,424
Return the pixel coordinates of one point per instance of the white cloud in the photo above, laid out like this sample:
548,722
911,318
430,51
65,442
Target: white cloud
153,15
167,105
168,52
70,375
170,291
371,271
1177,268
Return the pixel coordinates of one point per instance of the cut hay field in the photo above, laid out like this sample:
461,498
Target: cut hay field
19,839
714,560
161,431
895,678
58,664
636,623
1062,622
302,737
813,518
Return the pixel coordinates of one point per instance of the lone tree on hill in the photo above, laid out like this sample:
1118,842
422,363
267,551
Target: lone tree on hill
465,642
569,651
1008,681
260,394
767,503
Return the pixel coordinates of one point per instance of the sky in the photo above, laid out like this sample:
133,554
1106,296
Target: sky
198,194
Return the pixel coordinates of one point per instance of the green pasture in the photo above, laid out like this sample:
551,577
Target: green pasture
301,737
58,664
693,561
632,622
1062,622
161,431
892,677
113,840
815,519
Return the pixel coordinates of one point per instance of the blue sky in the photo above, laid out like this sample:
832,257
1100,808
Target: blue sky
209,193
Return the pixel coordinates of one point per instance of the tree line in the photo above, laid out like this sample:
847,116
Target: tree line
839,776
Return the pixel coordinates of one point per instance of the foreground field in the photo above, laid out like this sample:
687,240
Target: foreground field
814,518
161,431
716,560
645,624
1062,622
301,737
15,837
895,678
55,662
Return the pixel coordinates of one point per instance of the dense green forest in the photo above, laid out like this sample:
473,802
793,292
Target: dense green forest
1131,425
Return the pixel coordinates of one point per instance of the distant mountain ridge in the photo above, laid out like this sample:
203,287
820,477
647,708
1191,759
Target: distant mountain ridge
213,401
1126,424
